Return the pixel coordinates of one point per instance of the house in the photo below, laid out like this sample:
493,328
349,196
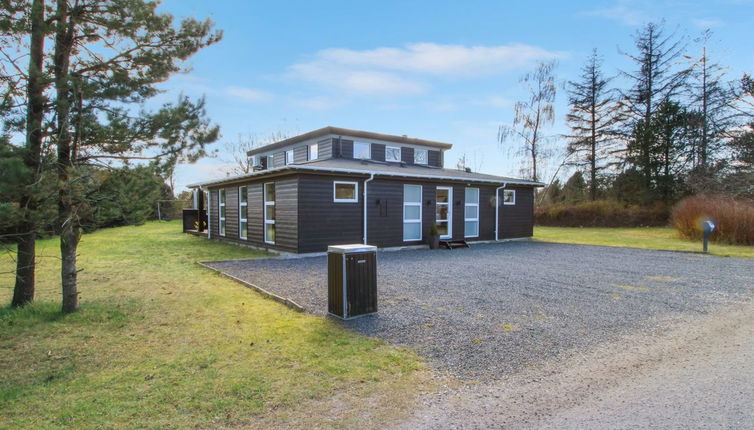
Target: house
337,186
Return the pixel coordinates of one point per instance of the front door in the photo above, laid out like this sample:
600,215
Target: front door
444,212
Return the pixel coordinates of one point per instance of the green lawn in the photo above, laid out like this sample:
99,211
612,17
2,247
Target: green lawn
161,342
648,237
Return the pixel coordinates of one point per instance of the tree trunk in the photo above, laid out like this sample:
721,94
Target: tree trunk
67,218
23,291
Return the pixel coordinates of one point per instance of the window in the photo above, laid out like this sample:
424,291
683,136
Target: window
444,212
471,213
412,212
362,150
222,212
269,213
243,205
509,197
209,211
288,157
420,156
269,162
345,192
392,153
313,151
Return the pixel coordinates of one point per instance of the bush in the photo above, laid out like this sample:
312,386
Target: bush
734,219
602,213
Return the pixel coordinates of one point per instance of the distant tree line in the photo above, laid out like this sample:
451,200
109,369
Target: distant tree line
677,127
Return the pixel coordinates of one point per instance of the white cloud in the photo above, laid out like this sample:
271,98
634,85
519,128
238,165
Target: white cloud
248,94
404,70
705,23
625,12
494,101
317,103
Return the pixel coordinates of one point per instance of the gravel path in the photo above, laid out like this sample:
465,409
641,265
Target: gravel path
486,312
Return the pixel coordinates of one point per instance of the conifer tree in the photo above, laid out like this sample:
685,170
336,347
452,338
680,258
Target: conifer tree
593,118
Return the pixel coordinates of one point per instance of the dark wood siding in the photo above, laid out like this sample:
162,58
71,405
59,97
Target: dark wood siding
346,148
300,154
325,148
231,212
434,158
324,222
213,214
286,214
517,220
255,214
278,159
407,155
378,152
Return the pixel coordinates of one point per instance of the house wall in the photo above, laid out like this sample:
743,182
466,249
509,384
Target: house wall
517,220
308,220
286,190
323,222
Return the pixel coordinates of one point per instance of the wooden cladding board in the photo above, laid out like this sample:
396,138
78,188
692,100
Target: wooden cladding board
325,148
286,191
517,220
300,154
308,220
324,222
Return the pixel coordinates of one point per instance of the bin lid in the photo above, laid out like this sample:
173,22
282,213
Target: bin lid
351,248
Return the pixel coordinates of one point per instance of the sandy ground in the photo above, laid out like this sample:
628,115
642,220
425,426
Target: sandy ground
698,373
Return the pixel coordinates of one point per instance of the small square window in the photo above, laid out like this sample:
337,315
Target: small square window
509,197
288,157
362,150
345,192
393,153
420,156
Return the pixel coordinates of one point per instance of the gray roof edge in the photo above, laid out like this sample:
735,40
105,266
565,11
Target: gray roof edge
491,179
349,132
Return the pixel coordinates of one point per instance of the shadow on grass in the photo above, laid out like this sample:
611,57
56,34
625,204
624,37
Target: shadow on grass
49,313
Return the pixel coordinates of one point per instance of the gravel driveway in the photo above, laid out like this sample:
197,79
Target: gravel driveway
490,310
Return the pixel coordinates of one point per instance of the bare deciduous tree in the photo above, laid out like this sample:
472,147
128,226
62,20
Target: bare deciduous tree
532,116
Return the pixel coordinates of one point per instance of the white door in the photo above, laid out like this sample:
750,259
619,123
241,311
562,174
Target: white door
444,212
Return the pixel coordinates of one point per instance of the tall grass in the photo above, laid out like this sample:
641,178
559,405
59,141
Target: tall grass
601,213
734,219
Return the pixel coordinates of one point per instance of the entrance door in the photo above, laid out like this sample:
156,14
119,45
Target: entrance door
444,212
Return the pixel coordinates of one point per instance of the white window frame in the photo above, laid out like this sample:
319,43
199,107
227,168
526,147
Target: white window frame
369,150
355,198
313,151
450,211
221,224
400,153
266,205
412,221
426,156
467,204
243,210
289,157
511,203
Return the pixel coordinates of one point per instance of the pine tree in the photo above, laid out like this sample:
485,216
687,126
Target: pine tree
592,118
711,99
109,55
654,81
23,96
532,116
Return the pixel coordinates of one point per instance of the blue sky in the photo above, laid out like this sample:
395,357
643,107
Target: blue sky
445,71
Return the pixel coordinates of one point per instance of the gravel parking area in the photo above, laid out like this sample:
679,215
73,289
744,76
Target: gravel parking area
483,312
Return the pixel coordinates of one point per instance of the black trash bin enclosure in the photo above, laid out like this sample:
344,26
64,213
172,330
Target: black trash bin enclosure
351,280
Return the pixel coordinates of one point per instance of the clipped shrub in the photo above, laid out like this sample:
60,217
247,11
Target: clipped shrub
602,213
733,219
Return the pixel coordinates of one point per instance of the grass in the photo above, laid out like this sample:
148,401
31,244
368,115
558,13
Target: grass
160,342
664,238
